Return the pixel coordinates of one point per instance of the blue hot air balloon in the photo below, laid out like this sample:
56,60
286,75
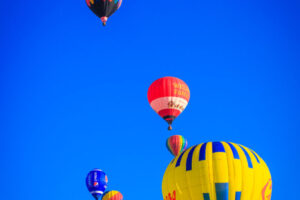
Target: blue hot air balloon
96,182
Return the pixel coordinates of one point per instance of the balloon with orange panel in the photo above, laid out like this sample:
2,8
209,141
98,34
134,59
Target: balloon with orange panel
112,195
168,96
267,190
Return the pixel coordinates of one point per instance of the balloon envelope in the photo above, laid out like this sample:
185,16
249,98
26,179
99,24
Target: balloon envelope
217,171
96,182
168,96
176,144
104,8
112,195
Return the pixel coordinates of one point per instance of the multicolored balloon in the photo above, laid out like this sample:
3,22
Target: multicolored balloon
96,182
112,195
104,8
176,144
168,97
217,171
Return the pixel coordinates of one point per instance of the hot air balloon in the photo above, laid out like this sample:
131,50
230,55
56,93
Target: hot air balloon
104,8
96,182
217,171
112,195
176,144
168,97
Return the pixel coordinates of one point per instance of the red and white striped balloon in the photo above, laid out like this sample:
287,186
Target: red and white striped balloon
168,96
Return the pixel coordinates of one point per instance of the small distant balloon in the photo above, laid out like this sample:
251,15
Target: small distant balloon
176,144
104,8
96,182
112,195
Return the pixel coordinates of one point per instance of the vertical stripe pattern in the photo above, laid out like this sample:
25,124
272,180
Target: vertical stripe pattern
217,171
238,195
218,147
179,159
202,152
234,151
176,144
247,156
189,159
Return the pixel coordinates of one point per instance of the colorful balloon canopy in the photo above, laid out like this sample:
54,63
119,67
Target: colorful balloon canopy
112,195
168,97
217,171
176,144
104,8
96,182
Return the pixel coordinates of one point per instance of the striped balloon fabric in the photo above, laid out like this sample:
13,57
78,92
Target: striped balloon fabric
168,96
112,195
176,144
217,171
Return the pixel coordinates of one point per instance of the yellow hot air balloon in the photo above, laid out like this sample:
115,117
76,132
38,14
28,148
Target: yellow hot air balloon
217,171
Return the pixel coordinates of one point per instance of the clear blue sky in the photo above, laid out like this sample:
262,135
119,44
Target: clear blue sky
74,94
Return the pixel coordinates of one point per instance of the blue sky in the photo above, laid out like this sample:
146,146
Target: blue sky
74,94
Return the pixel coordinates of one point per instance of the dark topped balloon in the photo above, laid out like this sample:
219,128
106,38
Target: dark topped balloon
96,182
104,8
